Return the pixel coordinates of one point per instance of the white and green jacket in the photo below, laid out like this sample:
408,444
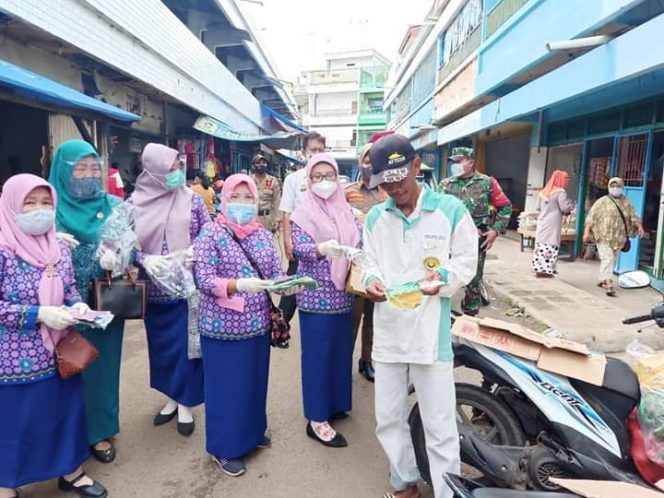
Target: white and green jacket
440,233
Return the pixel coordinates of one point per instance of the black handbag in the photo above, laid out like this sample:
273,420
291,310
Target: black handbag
627,245
125,297
280,327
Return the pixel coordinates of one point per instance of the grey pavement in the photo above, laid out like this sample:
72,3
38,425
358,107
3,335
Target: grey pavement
572,303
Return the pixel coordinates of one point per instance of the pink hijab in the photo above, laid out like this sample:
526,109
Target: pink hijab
40,251
230,184
325,219
159,212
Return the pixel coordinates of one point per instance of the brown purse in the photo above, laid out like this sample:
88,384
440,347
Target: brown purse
73,353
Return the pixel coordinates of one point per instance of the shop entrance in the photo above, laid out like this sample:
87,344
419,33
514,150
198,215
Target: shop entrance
653,212
23,139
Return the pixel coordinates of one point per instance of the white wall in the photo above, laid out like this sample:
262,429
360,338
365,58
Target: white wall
536,172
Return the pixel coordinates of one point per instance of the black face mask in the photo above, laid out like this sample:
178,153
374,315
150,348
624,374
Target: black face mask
260,168
365,173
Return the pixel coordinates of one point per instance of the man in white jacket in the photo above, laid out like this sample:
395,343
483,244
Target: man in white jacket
417,235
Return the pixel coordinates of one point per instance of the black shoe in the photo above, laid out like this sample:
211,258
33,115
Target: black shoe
94,490
104,456
367,370
283,344
471,312
338,442
161,419
186,428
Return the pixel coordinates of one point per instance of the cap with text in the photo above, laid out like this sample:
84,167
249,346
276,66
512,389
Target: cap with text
391,159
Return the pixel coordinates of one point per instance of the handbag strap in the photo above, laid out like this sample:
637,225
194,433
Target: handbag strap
251,260
621,216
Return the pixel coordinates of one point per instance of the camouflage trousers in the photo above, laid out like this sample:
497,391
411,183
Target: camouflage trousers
472,300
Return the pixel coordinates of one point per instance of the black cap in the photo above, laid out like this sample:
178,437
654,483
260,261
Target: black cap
258,157
391,158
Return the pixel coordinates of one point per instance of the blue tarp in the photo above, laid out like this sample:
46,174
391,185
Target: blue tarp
280,117
34,87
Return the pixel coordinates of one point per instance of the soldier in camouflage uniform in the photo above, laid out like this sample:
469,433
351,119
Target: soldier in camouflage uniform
479,193
269,194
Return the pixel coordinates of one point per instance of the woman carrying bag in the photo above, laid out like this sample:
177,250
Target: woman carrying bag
42,422
83,207
168,217
233,257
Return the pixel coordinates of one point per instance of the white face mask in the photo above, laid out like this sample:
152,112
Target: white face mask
36,222
458,169
324,189
615,191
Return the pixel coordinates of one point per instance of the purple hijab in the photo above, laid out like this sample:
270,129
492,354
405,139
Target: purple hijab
159,212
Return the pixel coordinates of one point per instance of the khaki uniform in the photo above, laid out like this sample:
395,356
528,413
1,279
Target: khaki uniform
269,197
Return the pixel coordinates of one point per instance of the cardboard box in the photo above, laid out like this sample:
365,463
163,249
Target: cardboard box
354,283
606,489
552,354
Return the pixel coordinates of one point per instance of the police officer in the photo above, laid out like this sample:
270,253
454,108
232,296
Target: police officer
479,193
269,194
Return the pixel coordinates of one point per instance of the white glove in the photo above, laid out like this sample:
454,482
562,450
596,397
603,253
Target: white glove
155,264
81,307
55,317
107,260
68,240
252,285
330,248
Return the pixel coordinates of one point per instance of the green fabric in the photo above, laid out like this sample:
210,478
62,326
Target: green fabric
463,152
374,214
445,352
101,382
80,217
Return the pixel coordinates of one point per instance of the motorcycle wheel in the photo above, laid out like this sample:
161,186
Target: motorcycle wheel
476,408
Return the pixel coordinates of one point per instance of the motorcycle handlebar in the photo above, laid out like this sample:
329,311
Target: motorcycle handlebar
638,319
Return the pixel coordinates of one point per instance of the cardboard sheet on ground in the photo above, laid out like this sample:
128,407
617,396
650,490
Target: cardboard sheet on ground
294,281
606,489
552,354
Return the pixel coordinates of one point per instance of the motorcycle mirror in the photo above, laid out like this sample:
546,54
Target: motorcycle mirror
634,280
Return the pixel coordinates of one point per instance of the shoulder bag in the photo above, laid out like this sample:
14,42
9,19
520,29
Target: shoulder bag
126,297
627,245
73,353
280,327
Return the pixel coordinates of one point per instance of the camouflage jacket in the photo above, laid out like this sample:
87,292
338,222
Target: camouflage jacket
479,193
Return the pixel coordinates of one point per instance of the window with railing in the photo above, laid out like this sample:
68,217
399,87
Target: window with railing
459,30
500,13
373,77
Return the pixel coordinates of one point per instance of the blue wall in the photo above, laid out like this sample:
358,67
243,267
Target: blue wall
521,41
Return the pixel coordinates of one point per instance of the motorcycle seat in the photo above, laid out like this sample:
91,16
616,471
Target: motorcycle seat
510,493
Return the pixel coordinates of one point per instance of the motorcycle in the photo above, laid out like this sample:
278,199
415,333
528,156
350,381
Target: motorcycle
529,425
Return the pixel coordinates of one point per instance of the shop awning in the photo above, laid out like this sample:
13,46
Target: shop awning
281,140
34,87
281,120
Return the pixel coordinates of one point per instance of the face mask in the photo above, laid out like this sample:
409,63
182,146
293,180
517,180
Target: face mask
365,173
458,169
36,222
324,189
615,191
175,179
85,188
241,213
260,169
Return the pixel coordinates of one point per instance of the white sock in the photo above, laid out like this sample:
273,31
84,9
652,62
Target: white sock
184,414
170,407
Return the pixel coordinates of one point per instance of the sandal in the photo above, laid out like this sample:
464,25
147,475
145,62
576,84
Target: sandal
610,291
94,490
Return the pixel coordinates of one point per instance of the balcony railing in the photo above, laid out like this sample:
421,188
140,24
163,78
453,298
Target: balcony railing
375,78
501,12
472,42
330,113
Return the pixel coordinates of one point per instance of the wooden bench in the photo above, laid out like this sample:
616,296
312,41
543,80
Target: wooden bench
566,241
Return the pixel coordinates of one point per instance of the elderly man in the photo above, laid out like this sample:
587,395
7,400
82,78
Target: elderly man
416,235
479,193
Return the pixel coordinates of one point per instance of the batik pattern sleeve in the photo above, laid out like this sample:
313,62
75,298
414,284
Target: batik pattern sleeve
262,244
199,216
304,246
502,205
462,265
72,295
205,257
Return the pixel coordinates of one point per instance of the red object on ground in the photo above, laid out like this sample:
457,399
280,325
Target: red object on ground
650,471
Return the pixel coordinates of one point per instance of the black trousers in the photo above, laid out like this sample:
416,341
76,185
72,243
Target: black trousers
287,304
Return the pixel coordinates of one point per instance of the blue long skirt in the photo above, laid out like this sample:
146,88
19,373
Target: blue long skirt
171,371
42,430
327,357
236,375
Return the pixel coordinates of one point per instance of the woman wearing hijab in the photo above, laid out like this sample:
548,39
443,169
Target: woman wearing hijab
234,262
42,422
610,223
82,209
168,217
323,222
554,204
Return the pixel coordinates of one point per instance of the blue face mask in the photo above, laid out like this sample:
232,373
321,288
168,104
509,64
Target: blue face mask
175,179
85,188
241,213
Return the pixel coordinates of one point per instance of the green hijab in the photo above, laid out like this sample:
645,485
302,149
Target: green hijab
80,217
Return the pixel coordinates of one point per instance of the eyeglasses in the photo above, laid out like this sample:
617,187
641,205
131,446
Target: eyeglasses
319,178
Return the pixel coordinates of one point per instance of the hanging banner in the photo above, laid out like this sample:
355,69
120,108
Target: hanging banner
216,128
